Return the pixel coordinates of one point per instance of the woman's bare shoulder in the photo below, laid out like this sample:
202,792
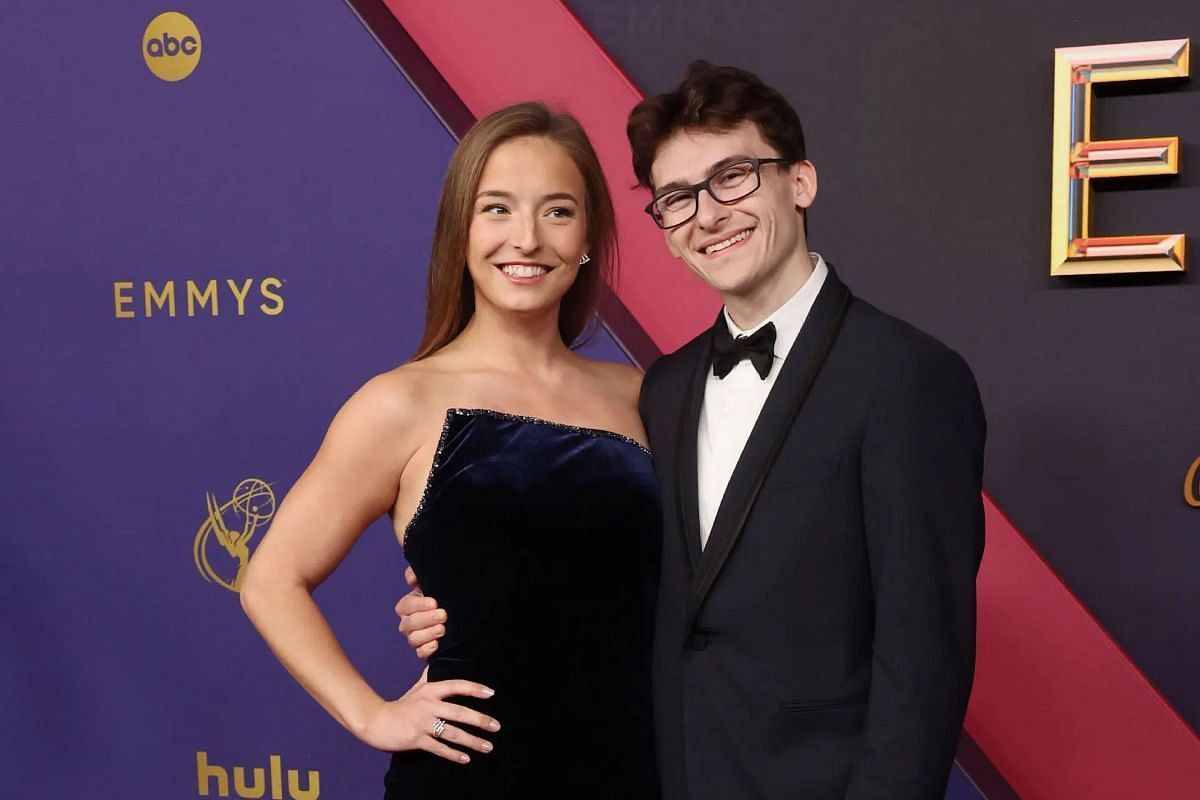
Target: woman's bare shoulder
394,401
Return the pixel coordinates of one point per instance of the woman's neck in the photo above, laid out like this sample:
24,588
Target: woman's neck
515,342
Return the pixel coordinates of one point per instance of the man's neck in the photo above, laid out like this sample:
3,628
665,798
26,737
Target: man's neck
749,310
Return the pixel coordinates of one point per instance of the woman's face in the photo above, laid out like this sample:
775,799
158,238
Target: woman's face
528,227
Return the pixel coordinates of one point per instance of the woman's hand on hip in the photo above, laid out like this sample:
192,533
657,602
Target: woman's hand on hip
424,719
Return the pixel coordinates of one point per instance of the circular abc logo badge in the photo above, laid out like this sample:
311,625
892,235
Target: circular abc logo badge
171,46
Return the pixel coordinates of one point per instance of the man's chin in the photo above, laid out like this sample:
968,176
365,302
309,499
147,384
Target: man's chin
728,282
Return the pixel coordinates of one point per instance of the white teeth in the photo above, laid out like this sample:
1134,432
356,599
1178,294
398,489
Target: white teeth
719,246
523,271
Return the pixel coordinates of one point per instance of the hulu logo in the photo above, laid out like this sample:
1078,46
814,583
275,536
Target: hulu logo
210,775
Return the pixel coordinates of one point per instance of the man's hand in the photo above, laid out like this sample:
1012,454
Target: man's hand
421,621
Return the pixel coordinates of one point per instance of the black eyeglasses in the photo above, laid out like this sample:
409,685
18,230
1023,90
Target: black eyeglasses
727,185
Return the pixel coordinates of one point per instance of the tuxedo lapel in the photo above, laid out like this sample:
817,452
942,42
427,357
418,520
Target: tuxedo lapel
686,462
796,377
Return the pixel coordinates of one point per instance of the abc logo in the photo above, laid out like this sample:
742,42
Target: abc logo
171,46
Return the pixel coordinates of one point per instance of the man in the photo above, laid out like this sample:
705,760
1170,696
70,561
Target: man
820,465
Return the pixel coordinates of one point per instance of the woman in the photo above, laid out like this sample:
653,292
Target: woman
513,470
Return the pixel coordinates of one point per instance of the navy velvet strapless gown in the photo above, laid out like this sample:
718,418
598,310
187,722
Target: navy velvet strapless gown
542,542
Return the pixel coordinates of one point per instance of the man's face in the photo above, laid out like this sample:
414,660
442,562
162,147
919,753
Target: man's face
766,228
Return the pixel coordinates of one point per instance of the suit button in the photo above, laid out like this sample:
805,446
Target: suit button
697,641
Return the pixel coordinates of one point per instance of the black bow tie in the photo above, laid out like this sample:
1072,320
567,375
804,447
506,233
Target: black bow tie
727,351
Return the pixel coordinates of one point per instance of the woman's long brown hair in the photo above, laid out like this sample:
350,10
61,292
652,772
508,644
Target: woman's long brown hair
450,297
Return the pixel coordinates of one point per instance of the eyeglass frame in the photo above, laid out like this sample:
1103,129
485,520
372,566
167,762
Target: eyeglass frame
706,186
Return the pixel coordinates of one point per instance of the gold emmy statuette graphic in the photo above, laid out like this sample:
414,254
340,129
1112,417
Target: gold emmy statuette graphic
1191,485
252,505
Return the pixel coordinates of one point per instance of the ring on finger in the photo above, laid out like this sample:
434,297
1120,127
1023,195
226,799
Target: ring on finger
439,727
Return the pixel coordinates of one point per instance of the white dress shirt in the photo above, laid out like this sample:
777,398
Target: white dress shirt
732,404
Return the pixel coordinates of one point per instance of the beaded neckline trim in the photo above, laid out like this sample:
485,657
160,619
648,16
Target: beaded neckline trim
451,413
487,412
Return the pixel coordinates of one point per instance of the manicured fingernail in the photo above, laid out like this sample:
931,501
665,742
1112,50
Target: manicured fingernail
464,758
440,616
487,747
488,692
440,631
494,725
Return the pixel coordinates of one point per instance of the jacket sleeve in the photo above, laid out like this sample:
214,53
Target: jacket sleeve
922,471
646,401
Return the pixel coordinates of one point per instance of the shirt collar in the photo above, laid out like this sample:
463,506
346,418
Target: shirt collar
789,318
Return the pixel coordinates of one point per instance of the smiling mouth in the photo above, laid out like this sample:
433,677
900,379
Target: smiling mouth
725,244
523,270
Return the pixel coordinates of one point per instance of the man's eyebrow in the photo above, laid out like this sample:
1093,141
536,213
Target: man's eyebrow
713,168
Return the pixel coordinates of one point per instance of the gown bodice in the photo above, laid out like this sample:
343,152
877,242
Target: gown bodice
541,541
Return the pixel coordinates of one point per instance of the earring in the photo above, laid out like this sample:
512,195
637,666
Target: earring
585,258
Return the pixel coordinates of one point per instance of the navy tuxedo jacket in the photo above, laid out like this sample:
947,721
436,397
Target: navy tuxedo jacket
822,645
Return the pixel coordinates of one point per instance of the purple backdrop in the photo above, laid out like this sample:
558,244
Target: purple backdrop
295,151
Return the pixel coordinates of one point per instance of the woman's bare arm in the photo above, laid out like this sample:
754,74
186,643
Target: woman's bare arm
353,480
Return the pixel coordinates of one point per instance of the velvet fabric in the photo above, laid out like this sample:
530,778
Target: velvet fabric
541,541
